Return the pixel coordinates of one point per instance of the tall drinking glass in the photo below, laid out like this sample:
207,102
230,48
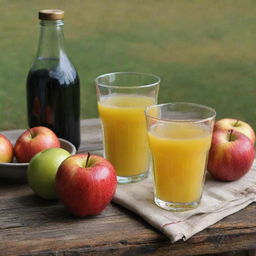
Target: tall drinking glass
122,98
180,138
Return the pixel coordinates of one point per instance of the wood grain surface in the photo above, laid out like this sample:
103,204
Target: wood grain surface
33,226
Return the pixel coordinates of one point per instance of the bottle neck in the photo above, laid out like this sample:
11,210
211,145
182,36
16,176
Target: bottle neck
51,43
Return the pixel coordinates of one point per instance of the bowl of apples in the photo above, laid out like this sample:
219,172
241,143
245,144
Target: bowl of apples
18,148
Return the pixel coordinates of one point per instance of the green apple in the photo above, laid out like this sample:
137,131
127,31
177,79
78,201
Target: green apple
42,171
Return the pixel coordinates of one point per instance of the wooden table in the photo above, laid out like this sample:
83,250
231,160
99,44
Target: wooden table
32,226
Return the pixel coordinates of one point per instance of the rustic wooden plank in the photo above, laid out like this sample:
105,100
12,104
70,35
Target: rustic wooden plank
91,138
32,226
117,231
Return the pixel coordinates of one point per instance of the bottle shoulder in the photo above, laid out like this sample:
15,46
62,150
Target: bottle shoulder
58,75
60,69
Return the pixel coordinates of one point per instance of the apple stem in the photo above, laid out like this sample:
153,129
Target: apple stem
230,134
236,123
30,133
87,160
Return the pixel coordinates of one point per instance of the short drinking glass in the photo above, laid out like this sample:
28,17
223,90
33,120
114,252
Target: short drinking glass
180,138
122,98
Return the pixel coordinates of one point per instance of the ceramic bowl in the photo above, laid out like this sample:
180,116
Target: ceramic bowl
17,172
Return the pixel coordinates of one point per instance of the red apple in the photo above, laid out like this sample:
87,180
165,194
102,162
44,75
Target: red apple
231,155
34,140
237,125
85,184
6,150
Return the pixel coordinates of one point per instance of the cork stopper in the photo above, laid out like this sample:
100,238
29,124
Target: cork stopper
51,14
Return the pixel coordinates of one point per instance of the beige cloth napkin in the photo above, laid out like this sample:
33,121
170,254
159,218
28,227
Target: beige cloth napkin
219,200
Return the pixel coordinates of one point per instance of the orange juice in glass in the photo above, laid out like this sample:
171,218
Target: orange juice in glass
122,99
180,138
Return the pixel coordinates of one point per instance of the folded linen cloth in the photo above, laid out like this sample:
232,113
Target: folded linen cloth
219,200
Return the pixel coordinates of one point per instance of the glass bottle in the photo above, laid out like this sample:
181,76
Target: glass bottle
53,87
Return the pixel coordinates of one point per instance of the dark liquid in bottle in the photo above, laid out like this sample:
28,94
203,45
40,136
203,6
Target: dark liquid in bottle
53,100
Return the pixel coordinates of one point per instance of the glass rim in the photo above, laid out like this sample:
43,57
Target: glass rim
158,80
181,121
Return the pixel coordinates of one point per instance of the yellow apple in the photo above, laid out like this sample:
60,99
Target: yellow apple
236,125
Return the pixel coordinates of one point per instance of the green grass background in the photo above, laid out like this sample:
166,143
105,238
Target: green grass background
204,51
